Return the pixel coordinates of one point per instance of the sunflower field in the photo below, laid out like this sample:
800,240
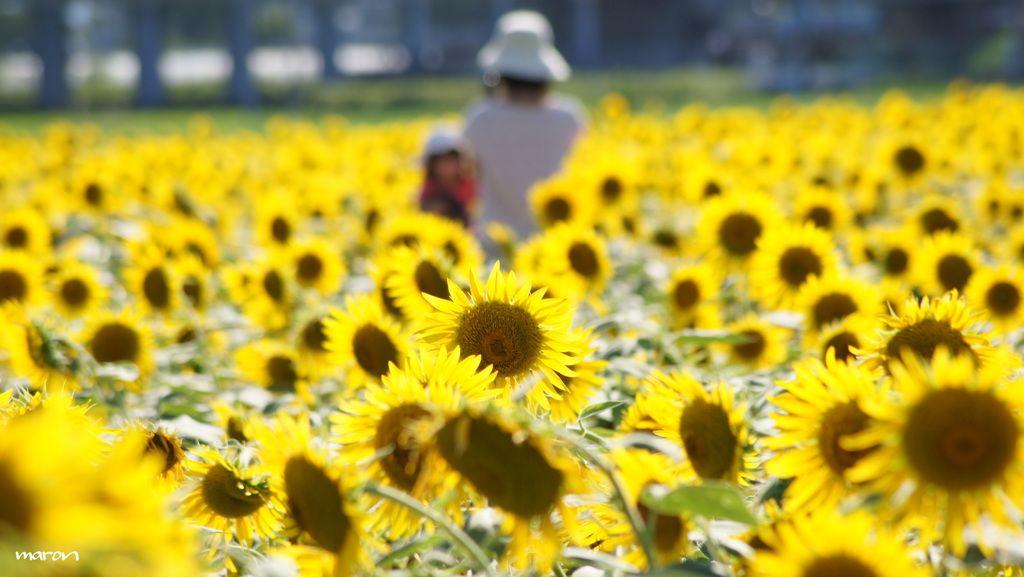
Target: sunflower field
765,343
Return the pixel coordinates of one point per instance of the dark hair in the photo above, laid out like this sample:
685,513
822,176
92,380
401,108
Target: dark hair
433,157
523,86
445,204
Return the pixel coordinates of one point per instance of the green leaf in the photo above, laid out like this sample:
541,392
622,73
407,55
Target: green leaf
685,569
705,337
591,410
711,500
409,550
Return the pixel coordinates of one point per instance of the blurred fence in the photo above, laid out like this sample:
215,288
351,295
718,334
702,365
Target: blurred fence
51,49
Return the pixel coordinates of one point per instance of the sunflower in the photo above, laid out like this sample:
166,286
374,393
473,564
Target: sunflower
730,226
519,471
21,278
786,259
317,265
120,338
909,162
232,498
151,279
165,448
955,435
277,221
824,405
188,236
604,526
825,300
844,337
274,366
926,326
555,200
363,334
76,289
822,207
1000,293
825,544
399,415
764,343
25,229
517,332
709,426
263,290
946,263
311,344
693,296
897,254
35,354
194,282
316,493
937,214
411,273
577,257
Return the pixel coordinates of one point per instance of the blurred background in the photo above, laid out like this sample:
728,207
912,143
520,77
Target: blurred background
418,56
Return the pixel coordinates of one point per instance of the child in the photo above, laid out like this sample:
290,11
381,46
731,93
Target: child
449,189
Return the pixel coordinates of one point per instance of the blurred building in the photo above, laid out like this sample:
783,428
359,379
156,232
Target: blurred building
51,47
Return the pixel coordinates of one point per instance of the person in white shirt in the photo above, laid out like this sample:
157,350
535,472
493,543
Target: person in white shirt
523,137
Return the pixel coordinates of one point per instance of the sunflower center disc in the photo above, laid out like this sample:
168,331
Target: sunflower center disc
1003,298
373,350
708,439
611,190
754,346
821,216
954,271
583,259
841,343
227,495
666,239
93,194
838,565
668,530
403,464
313,335
74,292
897,261
924,337
115,343
193,291
309,267
936,219
15,507
504,335
833,307
686,294
556,210
281,374
280,230
273,286
155,289
712,189
316,503
738,233
838,421
960,439
16,237
429,280
514,476
909,160
798,263
163,445
12,286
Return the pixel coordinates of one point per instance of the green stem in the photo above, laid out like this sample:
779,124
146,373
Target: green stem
636,522
477,554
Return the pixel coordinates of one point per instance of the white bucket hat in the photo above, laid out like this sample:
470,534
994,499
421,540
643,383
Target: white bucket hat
524,54
444,138
515,20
